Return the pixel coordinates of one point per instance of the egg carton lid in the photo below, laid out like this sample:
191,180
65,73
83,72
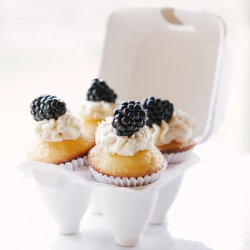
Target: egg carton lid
171,54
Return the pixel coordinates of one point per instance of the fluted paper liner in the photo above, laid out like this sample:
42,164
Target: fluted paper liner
127,182
74,164
176,158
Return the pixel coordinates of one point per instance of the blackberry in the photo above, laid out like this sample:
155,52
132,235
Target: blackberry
47,107
129,117
157,110
100,91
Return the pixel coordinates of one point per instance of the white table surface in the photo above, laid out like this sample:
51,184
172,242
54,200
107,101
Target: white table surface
211,211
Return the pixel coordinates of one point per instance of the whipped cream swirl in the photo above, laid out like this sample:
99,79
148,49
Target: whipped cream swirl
107,139
180,128
96,110
66,127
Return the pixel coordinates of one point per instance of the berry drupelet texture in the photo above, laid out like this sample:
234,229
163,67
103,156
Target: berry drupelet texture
157,110
100,91
129,117
47,107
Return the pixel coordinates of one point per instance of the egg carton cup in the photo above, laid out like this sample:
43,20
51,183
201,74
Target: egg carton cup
127,213
166,197
178,164
127,210
65,195
169,192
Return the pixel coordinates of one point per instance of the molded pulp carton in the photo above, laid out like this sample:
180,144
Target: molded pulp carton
162,52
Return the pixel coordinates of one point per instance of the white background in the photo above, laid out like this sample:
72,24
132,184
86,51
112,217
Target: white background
55,47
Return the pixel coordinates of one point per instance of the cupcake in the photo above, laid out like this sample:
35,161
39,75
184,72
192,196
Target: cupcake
100,103
172,131
59,136
125,154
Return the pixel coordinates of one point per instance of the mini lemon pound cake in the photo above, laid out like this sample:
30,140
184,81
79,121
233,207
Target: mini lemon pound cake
125,149
100,103
59,136
172,131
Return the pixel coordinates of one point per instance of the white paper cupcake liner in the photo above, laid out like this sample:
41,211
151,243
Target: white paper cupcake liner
74,164
175,158
127,182
86,161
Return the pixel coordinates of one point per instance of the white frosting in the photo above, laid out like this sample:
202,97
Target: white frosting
96,110
66,127
111,143
159,133
180,128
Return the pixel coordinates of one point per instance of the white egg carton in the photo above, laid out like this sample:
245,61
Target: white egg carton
168,53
